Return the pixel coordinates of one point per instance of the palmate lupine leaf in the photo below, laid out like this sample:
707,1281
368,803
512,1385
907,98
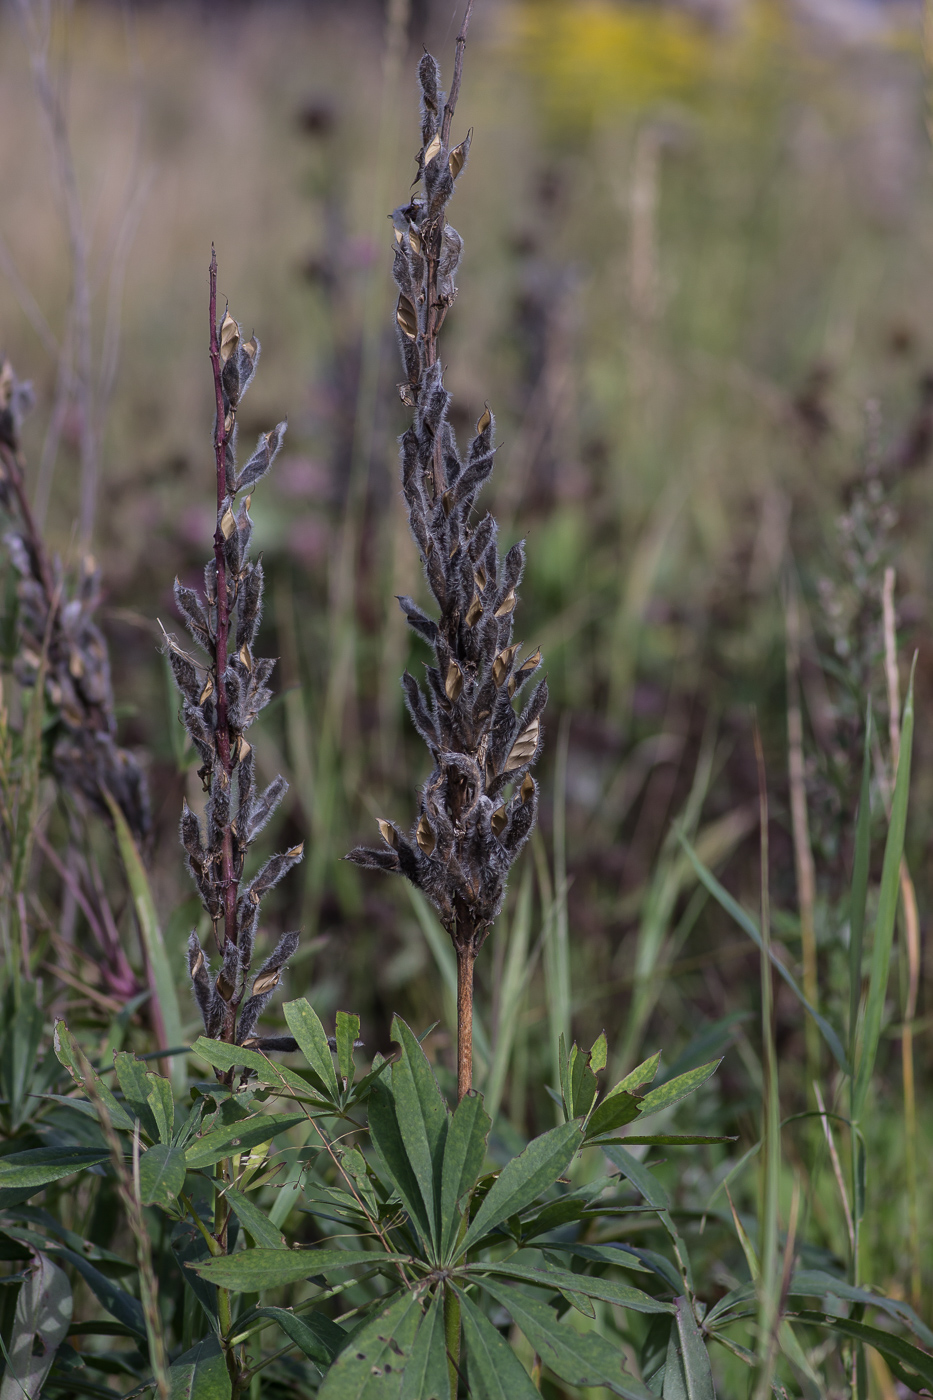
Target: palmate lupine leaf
427,1373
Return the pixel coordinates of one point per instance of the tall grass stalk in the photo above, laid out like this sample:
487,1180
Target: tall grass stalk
911,942
769,1296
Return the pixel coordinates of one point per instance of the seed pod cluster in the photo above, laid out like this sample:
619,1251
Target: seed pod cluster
57,633
222,693
478,806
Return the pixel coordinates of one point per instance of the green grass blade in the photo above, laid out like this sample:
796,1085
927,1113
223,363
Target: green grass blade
860,871
167,1014
747,923
887,912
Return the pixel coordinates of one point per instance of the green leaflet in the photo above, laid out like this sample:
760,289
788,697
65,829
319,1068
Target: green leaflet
464,1153
162,1106
319,1338
305,1026
612,1113
201,1374
136,1085
43,1313
579,1358
422,1118
254,1220
66,1052
622,1294
494,1370
525,1177
687,1374
371,1367
427,1375
120,1304
238,1137
897,1353
676,1089
347,1032
161,1174
387,1139
40,1165
222,1056
252,1270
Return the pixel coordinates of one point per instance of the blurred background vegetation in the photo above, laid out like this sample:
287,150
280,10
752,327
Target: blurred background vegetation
697,293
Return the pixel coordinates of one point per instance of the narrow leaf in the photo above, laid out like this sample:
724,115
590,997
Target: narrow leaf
422,1117
525,1177
387,1139
897,1353
40,1165
622,1294
494,1371
371,1366
252,1270
67,1053
254,1220
687,1372
238,1137
464,1154
306,1027
427,1374
674,1090
579,1358
161,1174
318,1337
347,1033
201,1373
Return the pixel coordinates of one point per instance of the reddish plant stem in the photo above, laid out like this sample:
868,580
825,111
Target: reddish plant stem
221,641
465,959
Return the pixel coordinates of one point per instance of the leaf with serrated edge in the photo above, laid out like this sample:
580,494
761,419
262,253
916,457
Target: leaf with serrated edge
306,1027
494,1371
252,1270
371,1366
579,1358
464,1154
524,1178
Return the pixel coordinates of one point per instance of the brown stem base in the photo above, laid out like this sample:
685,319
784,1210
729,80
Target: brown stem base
465,960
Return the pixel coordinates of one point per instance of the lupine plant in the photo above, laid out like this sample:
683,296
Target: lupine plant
428,1254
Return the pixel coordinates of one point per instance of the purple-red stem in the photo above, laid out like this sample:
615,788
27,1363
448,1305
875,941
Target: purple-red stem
223,614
